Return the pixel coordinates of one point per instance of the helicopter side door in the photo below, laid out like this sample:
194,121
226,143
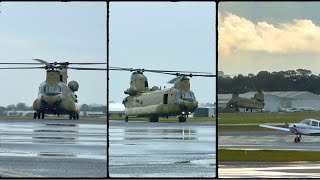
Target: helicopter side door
165,103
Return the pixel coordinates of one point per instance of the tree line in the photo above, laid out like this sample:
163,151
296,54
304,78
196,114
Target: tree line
291,80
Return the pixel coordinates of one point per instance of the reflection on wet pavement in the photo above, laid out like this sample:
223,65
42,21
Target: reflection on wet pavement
53,140
266,140
142,149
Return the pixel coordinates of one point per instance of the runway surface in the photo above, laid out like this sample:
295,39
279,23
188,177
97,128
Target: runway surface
269,170
271,140
267,140
52,148
143,149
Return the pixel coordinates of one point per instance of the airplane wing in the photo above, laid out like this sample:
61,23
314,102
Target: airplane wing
276,128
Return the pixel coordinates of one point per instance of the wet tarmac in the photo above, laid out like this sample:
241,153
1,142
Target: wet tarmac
269,170
266,140
164,149
53,148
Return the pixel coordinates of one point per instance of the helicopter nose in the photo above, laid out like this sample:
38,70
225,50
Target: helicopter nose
51,100
188,107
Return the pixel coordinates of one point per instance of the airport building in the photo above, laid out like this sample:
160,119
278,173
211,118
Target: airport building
204,112
277,100
116,110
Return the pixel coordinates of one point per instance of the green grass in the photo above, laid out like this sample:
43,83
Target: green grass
278,117
170,119
267,155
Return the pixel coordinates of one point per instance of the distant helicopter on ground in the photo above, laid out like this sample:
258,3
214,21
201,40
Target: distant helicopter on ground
55,96
154,102
236,102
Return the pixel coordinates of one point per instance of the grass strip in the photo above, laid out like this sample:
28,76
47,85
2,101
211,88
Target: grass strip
267,155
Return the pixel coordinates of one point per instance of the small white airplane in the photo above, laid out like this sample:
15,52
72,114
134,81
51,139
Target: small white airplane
308,127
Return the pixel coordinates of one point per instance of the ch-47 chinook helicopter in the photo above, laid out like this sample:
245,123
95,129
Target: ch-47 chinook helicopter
236,102
55,96
154,102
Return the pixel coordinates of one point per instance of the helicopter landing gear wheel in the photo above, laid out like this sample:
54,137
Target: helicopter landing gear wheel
182,119
153,118
42,115
38,115
126,119
77,116
35,115
70,116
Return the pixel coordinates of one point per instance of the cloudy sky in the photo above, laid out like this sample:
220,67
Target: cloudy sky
268,36
163,35
54,31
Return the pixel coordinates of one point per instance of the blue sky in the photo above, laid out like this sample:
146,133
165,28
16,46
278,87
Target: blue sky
53,31
271,36
163,35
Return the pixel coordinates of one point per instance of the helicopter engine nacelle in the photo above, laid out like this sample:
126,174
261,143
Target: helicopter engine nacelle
138,83
154,88
73,85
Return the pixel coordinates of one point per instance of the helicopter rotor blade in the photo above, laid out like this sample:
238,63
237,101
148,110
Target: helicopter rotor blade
153,70
21,63
43,62
87,63
176,79
23,68
80,68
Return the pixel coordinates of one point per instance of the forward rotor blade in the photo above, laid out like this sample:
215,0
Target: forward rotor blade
43,62
175,80
24,68
153,70
80,68
204,75
86,63
22,63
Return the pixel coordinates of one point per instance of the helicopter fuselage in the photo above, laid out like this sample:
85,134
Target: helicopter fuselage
56,97
166,102
59,101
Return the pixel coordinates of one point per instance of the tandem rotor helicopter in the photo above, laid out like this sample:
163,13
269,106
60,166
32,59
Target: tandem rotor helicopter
154,102
55,96
236,102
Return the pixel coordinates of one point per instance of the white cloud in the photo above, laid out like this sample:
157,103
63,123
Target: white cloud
240,34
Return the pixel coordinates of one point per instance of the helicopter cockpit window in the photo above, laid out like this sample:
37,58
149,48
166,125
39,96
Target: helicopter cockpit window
189,96
56,89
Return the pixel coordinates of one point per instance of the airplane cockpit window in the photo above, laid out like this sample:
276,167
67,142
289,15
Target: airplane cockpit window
306,121
314,123
56,89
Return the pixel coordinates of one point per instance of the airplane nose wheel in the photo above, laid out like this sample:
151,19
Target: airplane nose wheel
297,139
